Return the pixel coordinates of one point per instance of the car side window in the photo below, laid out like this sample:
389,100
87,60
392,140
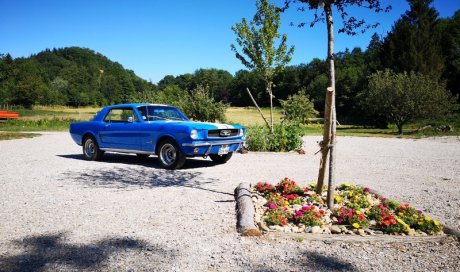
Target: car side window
121,115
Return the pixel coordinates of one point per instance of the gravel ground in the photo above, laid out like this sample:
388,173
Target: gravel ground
59,212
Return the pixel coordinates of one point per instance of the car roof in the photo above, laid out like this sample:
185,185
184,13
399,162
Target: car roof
137,105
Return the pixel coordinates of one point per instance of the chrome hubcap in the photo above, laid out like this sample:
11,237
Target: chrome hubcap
168,154
89,148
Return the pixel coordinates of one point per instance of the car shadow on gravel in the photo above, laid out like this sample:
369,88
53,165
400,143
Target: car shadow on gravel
152,161
51,252
128,178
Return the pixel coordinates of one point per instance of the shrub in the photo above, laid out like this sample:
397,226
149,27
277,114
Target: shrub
199,105
286,137
298,108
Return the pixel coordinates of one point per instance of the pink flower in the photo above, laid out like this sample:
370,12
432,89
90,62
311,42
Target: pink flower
339,220
272,206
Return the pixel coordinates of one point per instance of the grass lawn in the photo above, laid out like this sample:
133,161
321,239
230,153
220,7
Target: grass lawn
16,135
249,116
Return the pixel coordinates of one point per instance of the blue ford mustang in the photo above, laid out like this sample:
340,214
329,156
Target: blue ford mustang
148,129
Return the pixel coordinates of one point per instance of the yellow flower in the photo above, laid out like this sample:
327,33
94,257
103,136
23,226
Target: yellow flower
358,212
350,194
286,203
338,199
400,214
427,218
436,223
368,211
356,225
400,221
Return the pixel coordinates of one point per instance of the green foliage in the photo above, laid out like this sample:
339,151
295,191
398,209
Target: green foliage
298,108
405,97
200,106
52,124
286,137
70,76
414,42
450,45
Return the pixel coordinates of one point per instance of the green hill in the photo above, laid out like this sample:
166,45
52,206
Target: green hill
70,76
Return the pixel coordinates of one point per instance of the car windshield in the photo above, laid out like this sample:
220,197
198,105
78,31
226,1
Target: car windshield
154,113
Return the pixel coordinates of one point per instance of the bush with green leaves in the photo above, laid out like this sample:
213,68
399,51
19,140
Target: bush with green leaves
286,137
199,105
298,108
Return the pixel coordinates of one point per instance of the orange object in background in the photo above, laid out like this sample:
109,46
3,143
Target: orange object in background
8,114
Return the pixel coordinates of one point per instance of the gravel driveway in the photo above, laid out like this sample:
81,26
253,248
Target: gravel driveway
59,212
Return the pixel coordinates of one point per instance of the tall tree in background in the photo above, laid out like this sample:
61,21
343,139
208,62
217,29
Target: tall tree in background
413,44
350,26
260,49
450,44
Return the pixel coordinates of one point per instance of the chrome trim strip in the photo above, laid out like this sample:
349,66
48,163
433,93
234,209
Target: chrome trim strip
212,143
127,151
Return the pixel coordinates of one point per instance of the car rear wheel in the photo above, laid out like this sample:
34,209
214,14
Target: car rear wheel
91,151
220,159
170,155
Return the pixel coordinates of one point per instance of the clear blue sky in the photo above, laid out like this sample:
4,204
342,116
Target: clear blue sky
156,38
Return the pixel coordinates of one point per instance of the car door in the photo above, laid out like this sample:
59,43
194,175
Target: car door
121,130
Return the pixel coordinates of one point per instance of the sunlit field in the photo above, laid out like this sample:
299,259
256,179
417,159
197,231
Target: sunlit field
58,118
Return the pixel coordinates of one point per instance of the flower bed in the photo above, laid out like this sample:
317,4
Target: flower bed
290,208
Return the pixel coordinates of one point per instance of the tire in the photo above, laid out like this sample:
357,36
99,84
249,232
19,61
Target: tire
220,159
142,156
91,151
170,155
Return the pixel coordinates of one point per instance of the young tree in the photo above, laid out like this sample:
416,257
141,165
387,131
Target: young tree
350,26
263,49
405,97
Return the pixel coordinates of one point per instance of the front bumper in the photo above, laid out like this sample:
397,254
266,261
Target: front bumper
204,148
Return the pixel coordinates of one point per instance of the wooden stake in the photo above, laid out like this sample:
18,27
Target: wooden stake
260,111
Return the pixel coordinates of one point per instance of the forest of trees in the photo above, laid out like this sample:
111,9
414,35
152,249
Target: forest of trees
419,42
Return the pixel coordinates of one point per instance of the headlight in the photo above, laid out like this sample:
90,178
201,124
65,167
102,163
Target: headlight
193,134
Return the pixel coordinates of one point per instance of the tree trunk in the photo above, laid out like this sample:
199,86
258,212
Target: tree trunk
400,129
329,128
269,90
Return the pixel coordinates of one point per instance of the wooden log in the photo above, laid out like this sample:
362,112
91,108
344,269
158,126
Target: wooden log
245,211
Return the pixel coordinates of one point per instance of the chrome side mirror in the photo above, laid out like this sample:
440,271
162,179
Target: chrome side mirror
130,119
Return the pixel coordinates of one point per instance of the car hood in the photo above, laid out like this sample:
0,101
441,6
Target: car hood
200,125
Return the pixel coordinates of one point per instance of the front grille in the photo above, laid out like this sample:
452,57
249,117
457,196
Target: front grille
222,133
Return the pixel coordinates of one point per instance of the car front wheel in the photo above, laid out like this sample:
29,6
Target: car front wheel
220,159
91,151
170,156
